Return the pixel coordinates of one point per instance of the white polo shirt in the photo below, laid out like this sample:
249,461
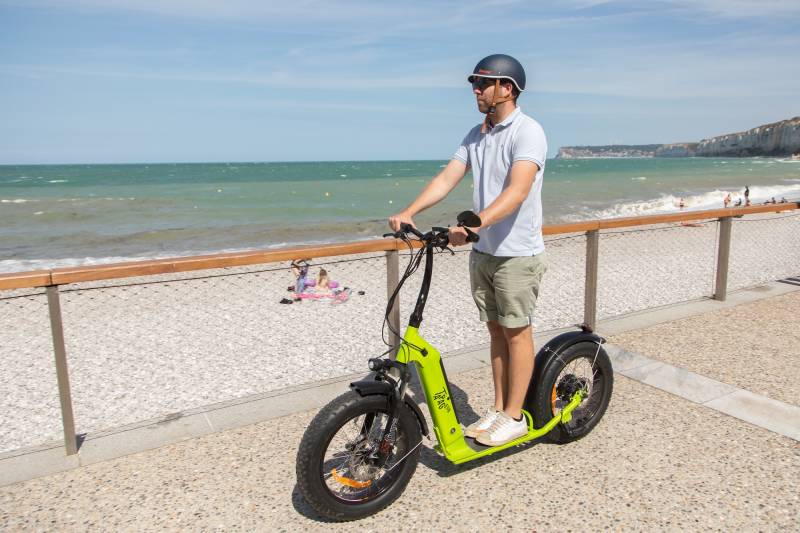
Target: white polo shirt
517,138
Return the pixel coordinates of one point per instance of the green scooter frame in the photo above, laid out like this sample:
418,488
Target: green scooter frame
452,442
361,474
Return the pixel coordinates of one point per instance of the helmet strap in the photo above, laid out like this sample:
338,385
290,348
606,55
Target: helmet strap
493,107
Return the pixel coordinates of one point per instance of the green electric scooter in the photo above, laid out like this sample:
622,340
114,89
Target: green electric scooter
360,451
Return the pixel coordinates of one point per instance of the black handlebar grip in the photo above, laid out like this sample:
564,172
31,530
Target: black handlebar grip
408,228
471,235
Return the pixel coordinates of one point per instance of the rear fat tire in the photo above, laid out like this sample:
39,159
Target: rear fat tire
317,438
542,409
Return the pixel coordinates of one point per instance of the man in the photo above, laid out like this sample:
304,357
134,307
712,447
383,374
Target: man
506,153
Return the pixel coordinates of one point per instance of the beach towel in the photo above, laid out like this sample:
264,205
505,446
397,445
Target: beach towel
335,297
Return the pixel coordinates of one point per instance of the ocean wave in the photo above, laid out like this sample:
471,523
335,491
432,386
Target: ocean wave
25,265
14,201
57,181
669,203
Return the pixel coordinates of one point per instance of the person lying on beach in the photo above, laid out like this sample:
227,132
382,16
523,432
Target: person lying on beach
506,154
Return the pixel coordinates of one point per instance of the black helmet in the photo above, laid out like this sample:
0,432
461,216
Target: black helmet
500,66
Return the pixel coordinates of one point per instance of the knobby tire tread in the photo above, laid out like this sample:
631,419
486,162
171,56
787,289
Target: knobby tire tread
542,412
317,436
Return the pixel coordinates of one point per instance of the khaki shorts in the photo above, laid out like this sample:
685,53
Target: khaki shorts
505,289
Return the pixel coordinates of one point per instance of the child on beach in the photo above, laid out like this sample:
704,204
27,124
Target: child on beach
727,200
323,283
300,271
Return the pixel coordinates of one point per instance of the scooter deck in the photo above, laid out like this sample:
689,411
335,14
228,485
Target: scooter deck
478,447
466,449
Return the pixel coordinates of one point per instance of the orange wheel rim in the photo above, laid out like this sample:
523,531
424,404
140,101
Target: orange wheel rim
350,482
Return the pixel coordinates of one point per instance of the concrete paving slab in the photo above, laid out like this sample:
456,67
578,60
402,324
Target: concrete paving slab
622,359
276,406
679,381
466,361
764,412
44,463
168,431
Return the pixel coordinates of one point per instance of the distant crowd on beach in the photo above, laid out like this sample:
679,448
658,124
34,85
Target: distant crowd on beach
727,201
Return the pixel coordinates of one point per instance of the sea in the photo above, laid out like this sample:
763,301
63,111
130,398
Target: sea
69,215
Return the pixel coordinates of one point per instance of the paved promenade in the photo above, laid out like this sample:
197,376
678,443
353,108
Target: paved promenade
702,433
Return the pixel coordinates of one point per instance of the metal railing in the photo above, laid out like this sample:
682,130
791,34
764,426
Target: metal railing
176,312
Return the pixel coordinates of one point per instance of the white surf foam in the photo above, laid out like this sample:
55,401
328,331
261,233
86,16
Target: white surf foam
669,203
25,265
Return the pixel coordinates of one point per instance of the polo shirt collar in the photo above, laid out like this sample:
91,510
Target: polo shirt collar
510,118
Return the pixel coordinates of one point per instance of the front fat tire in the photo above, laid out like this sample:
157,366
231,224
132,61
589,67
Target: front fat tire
542,410
319,434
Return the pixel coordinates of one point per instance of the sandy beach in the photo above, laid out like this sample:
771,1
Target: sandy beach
141,348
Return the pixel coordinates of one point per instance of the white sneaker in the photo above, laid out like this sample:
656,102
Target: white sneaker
482,424
504,429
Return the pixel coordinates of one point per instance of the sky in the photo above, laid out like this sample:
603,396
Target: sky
129,81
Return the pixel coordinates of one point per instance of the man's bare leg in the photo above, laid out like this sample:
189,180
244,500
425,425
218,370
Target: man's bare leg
519,370
499,352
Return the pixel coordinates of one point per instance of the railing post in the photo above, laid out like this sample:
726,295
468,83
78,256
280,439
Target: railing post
590,287
723,255
62,373
392,279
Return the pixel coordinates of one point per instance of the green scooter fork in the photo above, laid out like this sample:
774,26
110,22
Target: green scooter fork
452,442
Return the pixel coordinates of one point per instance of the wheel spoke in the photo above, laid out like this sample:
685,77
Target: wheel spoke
350,453
583,368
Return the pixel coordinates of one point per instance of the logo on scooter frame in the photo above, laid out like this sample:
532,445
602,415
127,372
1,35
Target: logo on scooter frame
442,400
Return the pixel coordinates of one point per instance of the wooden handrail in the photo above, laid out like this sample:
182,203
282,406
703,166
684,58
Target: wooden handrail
60,276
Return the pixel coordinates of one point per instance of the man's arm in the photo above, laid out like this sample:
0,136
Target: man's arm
433,193
523,174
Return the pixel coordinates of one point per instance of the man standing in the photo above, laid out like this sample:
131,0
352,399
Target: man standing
507,154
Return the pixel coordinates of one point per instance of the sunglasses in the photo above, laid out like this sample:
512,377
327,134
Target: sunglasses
482,83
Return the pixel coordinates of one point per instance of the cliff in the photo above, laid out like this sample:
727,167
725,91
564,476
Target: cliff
778,139
677,150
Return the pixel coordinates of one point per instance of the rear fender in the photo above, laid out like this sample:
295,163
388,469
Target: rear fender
369,387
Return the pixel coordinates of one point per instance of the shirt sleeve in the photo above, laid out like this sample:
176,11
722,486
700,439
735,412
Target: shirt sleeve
530,144
462,154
